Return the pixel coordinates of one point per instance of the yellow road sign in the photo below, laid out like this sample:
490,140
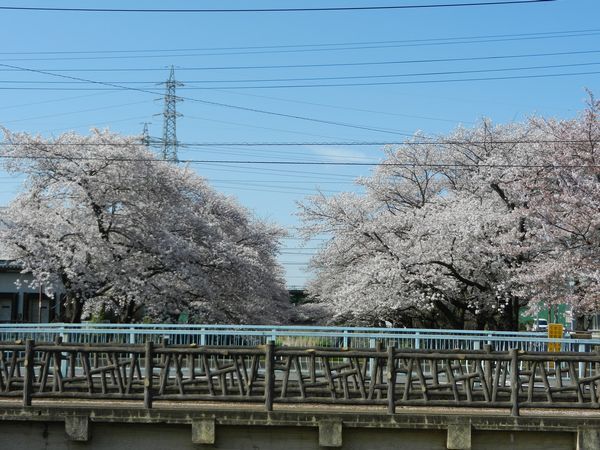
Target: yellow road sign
555,331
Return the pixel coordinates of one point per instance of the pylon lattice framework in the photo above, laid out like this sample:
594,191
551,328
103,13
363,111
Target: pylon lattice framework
170,114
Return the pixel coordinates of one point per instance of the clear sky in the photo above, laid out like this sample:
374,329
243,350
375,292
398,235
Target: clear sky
212,53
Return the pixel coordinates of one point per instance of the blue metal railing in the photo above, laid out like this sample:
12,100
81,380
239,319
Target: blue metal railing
295,336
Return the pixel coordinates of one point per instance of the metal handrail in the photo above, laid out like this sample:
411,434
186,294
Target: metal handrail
340,337
142,326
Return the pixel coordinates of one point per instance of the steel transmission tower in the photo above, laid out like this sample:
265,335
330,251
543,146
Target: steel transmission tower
170,114
145,135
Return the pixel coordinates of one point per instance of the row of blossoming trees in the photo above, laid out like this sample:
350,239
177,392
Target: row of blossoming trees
126,234
469,227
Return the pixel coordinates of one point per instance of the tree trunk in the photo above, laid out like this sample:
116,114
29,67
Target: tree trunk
581,322
127,313
456,318
71,309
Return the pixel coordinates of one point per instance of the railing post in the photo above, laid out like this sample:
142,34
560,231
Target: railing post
28,376
203,337
487,366
581,349
371,362
132,336
345,339
391,380
417,341
269,375
148,372
60,363
63,338
514,381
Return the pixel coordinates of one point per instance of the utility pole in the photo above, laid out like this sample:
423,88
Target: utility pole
170,114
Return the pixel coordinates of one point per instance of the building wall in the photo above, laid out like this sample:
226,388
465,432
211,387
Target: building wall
21,303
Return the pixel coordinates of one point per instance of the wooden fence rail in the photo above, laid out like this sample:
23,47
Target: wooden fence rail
269,374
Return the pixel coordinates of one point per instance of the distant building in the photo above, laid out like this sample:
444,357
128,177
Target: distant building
19,303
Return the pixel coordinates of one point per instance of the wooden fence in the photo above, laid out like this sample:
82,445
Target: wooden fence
270,374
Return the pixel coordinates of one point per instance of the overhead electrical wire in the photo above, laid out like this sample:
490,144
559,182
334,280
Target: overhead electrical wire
312,85
274,191
384,83
583,32
316,65
228,122
259,10
346,77
304,163
334,143
41,102
298,50
223,167
219,104
345,108
264,188
267,153
101,108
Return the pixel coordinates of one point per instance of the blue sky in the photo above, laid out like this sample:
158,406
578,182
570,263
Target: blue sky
136,49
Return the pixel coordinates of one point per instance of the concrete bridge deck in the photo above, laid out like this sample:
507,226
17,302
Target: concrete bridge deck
66,424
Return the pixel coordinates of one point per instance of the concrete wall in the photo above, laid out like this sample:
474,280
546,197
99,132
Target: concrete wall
133,428
51,436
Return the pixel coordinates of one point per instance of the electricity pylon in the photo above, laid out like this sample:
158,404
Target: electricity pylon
145,135
170,114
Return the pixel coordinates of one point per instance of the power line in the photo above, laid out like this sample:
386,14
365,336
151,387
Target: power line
268,153
415,74
540,34
307,163
346,64
312,85
336,143
387,83
344,108
296,238
95,124
264,171
22,105
215,180
121,105
229,122
257,10
207,102
274,191
346,163
304,50
346,77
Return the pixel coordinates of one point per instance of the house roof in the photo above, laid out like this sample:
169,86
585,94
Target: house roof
10,265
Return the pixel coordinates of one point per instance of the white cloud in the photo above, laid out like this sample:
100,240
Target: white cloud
341,154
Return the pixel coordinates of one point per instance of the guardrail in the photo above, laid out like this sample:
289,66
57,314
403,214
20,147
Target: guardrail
272,374
297,336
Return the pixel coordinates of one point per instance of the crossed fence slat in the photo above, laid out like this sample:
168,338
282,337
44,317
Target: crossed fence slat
270,375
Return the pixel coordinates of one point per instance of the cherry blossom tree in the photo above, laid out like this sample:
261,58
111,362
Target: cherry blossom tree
563,202
122,231
470,227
